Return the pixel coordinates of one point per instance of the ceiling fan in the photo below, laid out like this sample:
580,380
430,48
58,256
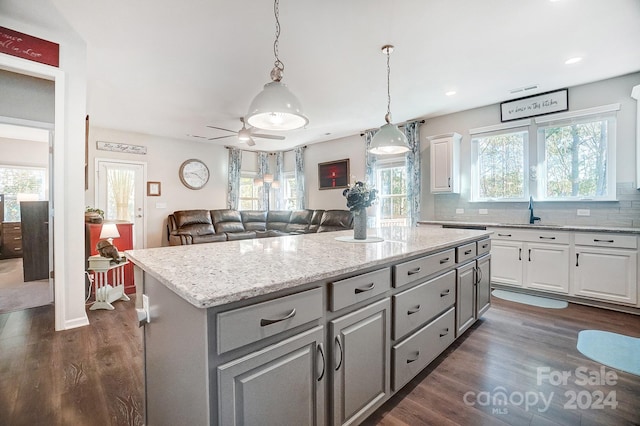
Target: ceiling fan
245,134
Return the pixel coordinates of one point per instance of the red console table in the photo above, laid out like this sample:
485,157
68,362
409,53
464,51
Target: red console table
125,242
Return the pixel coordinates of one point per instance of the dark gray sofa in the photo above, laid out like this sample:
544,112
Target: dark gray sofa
207,226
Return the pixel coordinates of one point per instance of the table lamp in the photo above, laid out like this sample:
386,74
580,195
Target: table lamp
109,231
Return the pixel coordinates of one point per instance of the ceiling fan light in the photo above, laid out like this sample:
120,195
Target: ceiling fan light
389,140
276,108
244,135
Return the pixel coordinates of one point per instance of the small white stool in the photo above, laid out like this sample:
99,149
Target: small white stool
103,269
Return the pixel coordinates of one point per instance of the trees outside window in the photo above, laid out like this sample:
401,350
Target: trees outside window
391,183
248,193
18,183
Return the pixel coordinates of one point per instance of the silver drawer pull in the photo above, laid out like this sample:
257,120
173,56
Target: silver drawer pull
595,240
445,260
264,322
547,238
444,293
369,288
446,331
504,235
417,355
17,238
17,228
17,248
414,310
467,252
484,246
413,271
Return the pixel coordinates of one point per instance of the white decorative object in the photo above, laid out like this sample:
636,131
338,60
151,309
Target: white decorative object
121,147
107,293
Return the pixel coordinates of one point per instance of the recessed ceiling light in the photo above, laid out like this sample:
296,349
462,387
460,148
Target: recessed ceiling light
573,60
450,93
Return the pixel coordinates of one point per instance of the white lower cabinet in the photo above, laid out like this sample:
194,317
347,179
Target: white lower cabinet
547,267
283,384
605,268
360,367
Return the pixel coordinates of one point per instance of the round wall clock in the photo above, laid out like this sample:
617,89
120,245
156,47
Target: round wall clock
194,174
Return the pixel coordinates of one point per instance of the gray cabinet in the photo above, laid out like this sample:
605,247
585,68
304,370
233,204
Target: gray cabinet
483,285
283,384
360,362
465,297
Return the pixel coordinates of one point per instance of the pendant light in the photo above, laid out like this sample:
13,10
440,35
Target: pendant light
388,140
276,108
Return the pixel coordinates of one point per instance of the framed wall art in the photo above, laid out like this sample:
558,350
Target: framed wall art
535,105
333,174
153,189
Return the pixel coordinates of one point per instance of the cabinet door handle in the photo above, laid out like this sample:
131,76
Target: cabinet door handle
595,240
449,182
484,246
529,255
478,275
368,288
444,293
321,352
504,235
413,271
467,252
414,310
577,257
339,345
267,321
17,238
547,238
445,332
415,358
443,261
519,254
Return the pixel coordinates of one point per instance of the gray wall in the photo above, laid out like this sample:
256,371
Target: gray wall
622,213
26,97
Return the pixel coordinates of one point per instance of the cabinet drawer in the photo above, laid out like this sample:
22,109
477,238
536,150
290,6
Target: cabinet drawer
507,234
361,287
405,273
242,326
607,240
555,237
14,227
415,306
416,352
465,252
483,246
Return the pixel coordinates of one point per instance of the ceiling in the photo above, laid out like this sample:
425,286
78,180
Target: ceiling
170,68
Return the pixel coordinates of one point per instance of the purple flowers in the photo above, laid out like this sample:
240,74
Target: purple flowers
359,196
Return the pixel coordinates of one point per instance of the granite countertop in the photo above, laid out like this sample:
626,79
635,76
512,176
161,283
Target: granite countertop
214,274
583,228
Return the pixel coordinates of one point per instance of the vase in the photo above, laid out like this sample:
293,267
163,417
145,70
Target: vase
360,224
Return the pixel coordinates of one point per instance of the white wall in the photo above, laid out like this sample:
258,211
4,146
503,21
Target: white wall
24,153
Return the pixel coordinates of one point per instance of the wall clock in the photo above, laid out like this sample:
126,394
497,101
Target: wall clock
194,174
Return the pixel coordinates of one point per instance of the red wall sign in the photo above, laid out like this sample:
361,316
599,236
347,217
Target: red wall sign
28,47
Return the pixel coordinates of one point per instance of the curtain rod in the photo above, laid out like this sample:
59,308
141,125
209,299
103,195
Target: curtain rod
268,152
422,121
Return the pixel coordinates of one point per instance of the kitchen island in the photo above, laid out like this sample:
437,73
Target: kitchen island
303,329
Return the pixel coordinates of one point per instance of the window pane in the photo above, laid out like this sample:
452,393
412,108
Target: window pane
576,160
20,184
391,184
500,166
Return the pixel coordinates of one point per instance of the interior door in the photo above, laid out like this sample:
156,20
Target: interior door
120,193
34,216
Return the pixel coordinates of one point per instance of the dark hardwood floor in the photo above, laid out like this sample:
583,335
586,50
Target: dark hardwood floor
93,375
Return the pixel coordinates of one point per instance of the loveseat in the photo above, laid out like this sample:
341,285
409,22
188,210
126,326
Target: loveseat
207,226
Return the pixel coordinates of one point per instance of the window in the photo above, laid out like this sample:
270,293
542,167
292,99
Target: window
500,164
290,191
391,183
21,184
575,159
248,193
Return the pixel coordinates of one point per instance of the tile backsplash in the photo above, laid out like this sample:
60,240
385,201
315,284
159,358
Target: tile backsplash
624,213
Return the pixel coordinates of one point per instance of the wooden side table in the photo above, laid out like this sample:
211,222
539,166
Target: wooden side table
108,280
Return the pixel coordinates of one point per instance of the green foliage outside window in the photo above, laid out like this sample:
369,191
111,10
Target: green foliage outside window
20,180
501,166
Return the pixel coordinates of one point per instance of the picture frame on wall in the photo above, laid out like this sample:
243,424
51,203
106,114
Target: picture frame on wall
333,174
535,105
153,189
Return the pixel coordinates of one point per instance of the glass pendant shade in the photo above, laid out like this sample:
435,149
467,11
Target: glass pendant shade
276,108
389,140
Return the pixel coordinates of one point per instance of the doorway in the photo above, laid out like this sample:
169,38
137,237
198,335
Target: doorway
25,243
120,194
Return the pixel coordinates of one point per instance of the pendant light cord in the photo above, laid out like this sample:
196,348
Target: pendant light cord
388,116
278,67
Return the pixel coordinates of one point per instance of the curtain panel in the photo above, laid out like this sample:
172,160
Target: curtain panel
263,169
412,163
278,176
300,180
233,185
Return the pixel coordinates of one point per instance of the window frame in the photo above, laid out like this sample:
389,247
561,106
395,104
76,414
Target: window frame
255,200
391,163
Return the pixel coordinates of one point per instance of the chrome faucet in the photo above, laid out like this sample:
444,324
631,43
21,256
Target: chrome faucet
532,218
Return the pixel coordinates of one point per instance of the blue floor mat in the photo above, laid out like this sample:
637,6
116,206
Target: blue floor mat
614,350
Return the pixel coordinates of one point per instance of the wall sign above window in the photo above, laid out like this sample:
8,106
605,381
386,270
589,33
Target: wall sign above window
532,106
121,147
29,47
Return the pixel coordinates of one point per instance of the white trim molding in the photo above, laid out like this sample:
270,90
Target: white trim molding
635,94
498,127
578,113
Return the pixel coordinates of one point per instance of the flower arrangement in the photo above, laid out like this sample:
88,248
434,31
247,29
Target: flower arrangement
359,196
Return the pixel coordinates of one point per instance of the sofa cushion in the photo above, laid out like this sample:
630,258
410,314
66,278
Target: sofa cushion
227,220
254,220
278,219
190,217
336,220
299,221
209,238
271,233
316,217
242,235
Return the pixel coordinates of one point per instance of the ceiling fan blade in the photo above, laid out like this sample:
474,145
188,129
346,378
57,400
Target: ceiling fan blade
275,137
251,142
220,128
221,137
197,136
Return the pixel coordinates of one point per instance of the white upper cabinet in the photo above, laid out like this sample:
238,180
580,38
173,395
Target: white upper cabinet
445,163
